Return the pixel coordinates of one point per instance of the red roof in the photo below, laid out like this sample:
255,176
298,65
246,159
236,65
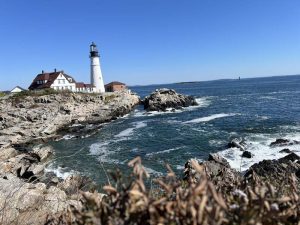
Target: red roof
114,83
83,85
50,77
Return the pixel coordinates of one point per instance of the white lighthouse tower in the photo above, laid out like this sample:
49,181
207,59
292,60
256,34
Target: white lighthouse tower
96,74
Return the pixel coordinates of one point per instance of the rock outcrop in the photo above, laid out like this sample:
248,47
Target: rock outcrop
275,171
33,119
163,99
283,142
216,169
40,117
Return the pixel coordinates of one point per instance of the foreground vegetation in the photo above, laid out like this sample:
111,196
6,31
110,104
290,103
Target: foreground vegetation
206,200
2,94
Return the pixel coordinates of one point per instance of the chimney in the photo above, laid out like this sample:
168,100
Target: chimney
42,71
55,70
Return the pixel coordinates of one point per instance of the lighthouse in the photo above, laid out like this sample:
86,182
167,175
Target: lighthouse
96,74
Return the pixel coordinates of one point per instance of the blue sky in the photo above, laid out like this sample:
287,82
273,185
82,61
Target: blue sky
149,41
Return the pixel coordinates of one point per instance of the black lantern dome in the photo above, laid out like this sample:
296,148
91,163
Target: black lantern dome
94,50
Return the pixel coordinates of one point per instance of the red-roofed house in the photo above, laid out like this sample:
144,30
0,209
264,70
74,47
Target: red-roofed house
58,80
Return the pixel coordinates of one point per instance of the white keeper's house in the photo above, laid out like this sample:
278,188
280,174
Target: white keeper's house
59,80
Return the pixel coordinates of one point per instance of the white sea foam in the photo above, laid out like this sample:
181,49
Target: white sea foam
152,171
104,153
98,148
68,137
269,98
180,167
209,118
125,133
259,146
58,171
162,152
129,131
216,143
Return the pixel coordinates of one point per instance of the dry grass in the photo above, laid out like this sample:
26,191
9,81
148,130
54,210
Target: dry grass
174,201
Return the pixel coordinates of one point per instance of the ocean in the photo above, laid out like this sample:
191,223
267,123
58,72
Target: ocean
258,110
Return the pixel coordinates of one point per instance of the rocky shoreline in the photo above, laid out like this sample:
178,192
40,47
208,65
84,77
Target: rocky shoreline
25,189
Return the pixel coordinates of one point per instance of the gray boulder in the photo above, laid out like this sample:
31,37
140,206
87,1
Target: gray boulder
162,99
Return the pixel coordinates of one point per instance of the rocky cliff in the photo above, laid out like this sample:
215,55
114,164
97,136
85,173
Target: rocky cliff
25,193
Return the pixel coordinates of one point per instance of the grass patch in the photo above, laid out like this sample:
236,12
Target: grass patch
2,94
109,98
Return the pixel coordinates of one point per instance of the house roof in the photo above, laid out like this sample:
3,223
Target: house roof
114,83
50,77
83,85
23,89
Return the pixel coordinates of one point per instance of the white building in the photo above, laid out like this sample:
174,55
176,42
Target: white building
59,81
17,89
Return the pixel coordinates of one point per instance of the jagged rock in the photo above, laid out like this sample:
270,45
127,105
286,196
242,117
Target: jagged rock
7,153
283,142
218,159
275,170
236,143
31,201
285,150
247,154
162,99
290,157
43,152
35,118
217,169
73,183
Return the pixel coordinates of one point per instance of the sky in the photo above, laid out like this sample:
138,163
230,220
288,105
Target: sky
149,41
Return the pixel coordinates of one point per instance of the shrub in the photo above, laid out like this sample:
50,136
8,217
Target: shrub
130,202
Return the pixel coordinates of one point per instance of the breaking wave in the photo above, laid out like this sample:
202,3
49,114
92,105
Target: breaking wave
209,118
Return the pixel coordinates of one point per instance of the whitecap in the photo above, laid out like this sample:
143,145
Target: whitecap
129,131
162,152
125,133
259,146
59,171
68,137
99,148
104,154
211,117
152,171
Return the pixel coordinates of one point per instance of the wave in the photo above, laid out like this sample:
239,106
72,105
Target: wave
103,152
152,171
59,171
129,131
211,117
259,146
162,152
68,136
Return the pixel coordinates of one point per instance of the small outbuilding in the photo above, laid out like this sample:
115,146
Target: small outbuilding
17,89
115,86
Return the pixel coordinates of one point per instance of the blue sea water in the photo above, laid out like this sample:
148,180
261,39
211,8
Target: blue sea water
258,110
